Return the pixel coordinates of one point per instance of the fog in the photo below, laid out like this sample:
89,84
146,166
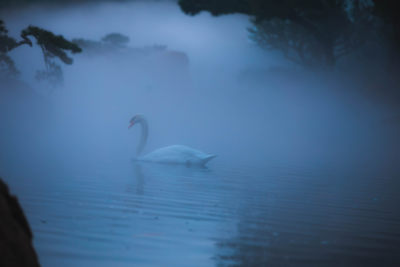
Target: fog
231,98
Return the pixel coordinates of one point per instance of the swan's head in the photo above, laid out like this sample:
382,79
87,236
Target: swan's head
135,119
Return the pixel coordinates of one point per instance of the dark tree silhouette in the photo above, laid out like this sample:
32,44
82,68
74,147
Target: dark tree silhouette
313,32
53,46
112,42
7,66
387,10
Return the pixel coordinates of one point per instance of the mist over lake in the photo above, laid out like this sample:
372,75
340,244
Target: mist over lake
306,171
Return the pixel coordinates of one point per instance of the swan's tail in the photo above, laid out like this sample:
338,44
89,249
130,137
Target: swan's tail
208,158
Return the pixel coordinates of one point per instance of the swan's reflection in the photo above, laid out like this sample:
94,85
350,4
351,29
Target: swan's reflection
164,176
138,174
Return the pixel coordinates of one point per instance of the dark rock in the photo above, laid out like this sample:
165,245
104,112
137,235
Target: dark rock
16,247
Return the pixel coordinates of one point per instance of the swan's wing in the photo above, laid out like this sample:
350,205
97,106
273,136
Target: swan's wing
178,154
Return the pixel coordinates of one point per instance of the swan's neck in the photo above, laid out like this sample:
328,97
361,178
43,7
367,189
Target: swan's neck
143,136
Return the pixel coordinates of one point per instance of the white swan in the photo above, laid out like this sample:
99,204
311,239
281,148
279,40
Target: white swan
175,154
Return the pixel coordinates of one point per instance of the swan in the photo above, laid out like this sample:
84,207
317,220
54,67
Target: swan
175,154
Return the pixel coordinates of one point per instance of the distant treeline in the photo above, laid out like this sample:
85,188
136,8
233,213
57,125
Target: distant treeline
314,32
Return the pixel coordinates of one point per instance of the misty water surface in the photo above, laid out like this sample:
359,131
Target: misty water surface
306,173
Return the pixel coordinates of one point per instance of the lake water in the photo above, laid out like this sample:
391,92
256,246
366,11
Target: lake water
123,213
307,172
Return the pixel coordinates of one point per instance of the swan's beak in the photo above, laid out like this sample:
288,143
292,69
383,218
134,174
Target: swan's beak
130,125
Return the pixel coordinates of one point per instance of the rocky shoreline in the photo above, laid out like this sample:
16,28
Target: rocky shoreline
16,247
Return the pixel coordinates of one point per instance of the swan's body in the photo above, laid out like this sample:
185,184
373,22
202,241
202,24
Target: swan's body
175,154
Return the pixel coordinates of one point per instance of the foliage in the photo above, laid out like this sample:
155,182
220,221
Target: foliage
116,39
312,33
6,43
53,46
52,74
387,10
7,66
110,43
